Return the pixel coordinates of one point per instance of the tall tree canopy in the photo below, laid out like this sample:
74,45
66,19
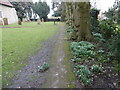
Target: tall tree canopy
114,12
60,7
60,12
42,9
23,8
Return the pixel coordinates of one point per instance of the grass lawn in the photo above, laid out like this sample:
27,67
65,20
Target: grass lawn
19,43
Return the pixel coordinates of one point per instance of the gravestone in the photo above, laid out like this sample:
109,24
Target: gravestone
42,19
5,20
38,21
19,22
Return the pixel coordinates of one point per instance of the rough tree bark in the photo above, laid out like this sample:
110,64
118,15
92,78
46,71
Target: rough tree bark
75,23
83,21
78,17
68,13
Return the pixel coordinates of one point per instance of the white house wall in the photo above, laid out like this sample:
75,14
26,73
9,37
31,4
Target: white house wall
9,13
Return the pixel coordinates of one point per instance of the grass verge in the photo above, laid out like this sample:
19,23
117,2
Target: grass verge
70,74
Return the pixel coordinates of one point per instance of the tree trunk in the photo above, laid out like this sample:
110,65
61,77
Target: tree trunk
78,17
83,22
68,13
74,35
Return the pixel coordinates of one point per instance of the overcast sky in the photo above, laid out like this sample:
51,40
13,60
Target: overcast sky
103,5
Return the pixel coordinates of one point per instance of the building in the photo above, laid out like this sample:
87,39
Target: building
52,18
35,16
101,15
7,11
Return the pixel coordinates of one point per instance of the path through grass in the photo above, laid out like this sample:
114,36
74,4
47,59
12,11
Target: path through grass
20,42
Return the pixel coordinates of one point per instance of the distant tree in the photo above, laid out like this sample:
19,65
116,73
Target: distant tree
110,14
114,12
94,19
60,10
42,9
117,8
23,8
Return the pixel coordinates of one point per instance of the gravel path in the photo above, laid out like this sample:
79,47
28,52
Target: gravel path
55,77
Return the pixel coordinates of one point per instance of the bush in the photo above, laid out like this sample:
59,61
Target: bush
82,49
69,31
94,20
98,37
83,73
95,69
114,46
100,51
108,28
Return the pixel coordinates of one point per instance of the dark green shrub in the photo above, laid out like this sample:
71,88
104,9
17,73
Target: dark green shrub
69,31
98,37
114,47
100,51
82,49
94,20
83,73
95,69
108,28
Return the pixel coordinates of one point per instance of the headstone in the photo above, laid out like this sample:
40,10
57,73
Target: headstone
42,19
5,20
38,21
19,22
28,20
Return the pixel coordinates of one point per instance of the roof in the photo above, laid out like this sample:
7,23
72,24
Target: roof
6,3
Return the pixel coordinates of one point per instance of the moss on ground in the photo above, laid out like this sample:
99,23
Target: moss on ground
70,75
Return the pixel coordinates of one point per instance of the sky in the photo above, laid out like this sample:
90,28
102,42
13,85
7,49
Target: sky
103,5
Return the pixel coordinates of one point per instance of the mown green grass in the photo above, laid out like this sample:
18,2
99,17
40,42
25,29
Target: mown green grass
20,43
